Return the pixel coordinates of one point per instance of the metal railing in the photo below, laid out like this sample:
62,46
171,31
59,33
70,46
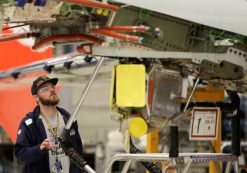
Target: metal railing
187,158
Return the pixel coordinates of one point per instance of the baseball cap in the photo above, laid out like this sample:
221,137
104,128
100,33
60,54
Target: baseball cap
41,80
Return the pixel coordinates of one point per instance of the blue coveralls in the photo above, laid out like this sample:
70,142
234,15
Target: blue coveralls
31,134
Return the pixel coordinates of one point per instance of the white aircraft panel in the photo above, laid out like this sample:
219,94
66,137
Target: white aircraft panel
230,15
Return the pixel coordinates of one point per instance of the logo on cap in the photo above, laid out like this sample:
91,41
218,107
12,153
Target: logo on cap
41,80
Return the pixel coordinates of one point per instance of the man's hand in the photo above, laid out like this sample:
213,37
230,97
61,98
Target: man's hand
45,145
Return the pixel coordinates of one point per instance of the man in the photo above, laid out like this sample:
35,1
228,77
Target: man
37,144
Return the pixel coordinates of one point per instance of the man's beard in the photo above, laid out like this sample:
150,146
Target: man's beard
49,102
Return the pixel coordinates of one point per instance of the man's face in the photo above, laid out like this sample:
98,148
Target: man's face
46,95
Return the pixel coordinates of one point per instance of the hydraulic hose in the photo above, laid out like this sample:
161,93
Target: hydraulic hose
127,28
96,4
150,166
110,33
235,100
66,145
67,38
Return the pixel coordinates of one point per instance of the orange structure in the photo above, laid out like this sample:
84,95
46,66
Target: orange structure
15,102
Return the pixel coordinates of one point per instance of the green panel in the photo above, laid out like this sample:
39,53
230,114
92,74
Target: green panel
176,34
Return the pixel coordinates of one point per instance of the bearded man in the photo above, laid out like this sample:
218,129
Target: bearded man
37,145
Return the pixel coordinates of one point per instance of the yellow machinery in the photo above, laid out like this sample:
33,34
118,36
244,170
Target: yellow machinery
129,96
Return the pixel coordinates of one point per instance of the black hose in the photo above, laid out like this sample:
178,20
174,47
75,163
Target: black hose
235,100
236,141
173,151
66,144
150,166
76,158
236,146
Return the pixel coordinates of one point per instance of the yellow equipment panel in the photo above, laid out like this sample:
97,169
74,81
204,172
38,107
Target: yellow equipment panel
130,85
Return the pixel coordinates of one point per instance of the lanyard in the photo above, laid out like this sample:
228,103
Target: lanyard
57,166
50,126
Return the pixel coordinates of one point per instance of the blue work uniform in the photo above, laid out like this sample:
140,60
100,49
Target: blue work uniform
32,133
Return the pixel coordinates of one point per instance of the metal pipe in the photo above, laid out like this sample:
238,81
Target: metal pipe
174,119
57,62
236,166
127,28
111,18
140,157
192,93
187,166
85,92
12,37
89,169
228,167
126,166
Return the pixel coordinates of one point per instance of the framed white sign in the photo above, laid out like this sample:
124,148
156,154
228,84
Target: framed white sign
204,123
